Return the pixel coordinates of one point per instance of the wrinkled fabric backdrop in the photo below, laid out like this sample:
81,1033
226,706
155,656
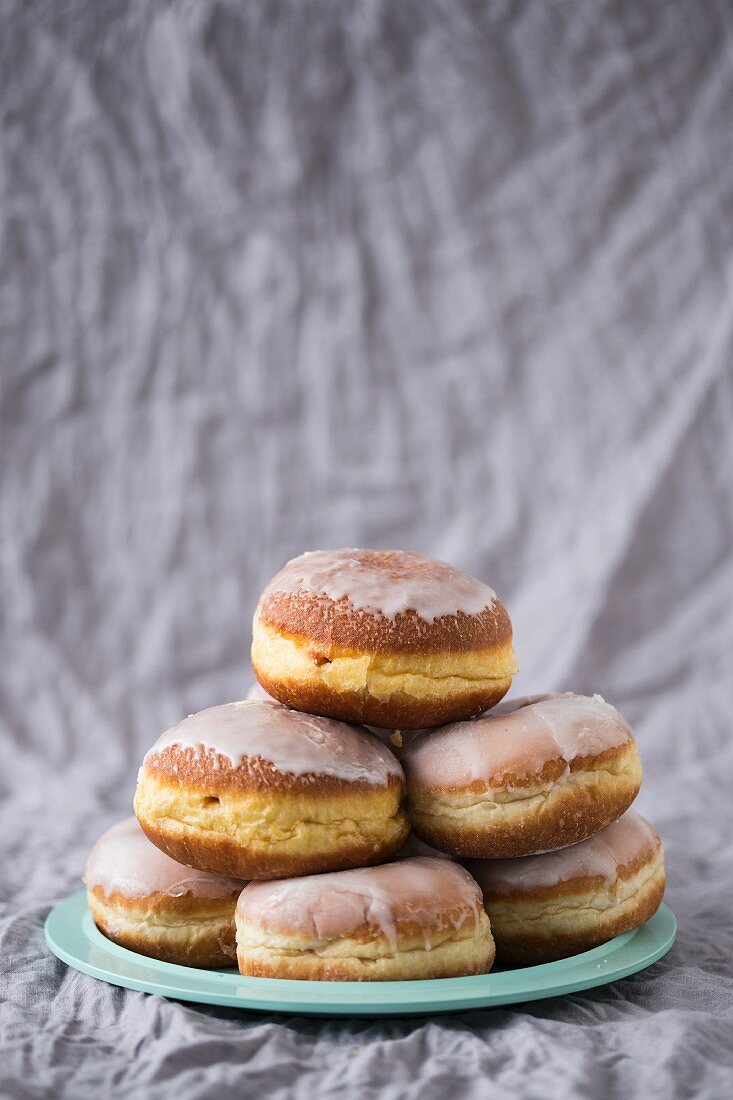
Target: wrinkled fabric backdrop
453,277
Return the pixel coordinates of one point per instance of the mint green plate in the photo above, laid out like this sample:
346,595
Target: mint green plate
73,937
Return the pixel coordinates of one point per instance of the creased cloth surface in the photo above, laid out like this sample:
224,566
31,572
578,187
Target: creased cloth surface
453,277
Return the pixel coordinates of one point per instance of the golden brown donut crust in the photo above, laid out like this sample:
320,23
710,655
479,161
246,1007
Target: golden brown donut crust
253,822
213,773
337,625
556,922
535,814
186,930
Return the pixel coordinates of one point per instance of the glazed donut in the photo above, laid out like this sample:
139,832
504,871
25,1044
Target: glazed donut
143,900
558,904
419,918
543,776
255,790
389,638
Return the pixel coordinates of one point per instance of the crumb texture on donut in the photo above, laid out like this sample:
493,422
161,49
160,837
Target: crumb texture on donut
545,776
383,637
421,918
184,930
551,906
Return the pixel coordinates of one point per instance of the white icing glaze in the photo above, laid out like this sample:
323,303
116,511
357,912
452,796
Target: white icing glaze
392,738
123,861
434,893
384,582
519,743
295,743
258,693
603,854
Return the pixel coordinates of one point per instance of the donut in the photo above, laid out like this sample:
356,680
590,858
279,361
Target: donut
547,774
551,906
142,899
254,790
419,918
385,637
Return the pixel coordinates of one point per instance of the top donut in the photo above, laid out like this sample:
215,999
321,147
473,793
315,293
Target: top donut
385,637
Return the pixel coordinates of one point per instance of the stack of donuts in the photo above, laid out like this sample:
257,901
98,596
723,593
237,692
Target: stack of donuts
373,811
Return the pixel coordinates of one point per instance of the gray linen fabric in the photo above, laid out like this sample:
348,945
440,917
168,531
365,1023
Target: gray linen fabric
445,276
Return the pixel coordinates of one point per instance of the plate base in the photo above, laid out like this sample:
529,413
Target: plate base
74,938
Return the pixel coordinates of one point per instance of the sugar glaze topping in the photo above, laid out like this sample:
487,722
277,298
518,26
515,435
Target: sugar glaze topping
386,736
628,839
520,743
294,743
433,893
384,583
123,861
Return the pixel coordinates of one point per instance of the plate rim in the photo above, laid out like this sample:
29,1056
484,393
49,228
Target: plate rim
72,936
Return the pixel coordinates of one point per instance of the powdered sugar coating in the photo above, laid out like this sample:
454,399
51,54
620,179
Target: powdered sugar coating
384,583
433,893
124,861
294,743
491,749
604,854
